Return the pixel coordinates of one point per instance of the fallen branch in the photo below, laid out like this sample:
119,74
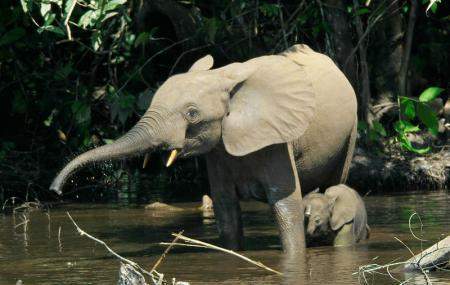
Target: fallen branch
191,241
157,278
434,257
160,259
431,258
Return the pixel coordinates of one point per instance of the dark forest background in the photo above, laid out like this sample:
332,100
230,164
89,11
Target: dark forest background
76,74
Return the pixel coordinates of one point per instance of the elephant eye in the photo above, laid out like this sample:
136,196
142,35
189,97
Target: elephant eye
192,115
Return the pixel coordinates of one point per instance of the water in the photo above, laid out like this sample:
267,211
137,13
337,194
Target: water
42,256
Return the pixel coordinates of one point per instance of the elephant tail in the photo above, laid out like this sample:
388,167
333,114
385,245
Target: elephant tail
350,150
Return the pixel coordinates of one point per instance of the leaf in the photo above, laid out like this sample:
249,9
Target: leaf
81,111
406,144
67,9
362,11
49,18
68,6
407,107
88,19
142,39
378,127
53,29
12,36
402,126
26,5
212,26
362,126
45,8
96,40
428,117
63,72
108,16
112,5
430,94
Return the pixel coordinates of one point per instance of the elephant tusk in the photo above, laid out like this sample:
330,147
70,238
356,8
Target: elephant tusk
172,157
308,211
146,159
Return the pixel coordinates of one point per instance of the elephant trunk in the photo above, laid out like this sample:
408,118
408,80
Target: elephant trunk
140,139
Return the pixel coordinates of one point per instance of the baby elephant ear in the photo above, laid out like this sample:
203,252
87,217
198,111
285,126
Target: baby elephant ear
341,213
202,64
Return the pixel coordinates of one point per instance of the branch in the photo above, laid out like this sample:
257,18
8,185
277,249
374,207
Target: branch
66,20
191,241
153,274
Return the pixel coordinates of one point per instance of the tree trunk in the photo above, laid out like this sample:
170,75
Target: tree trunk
364,90
403,74
388,53
341,37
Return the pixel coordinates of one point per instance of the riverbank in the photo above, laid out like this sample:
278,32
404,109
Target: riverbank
399,172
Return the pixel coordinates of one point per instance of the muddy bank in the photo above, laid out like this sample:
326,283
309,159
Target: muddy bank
399,172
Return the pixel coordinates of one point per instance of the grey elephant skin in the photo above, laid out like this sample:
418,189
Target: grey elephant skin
337,217
266,127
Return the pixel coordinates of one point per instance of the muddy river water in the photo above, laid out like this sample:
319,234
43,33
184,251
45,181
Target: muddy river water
49,250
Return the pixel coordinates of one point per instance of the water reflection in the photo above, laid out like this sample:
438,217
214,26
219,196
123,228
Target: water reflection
49,251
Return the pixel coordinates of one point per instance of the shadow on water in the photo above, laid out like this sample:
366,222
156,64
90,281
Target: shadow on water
51,252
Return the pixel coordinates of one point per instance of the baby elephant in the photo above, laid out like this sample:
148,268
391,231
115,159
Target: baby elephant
336,217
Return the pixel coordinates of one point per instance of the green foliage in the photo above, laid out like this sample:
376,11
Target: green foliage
417,110
73,70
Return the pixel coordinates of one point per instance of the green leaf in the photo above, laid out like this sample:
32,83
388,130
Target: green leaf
81,111
402,126
63,72
108,16
49,18
45,8
430,94
26,5
362,126
12,36
53,29
362,11
88,19
112,5
406,144
96,40
428,117
67,6
379,128
407,107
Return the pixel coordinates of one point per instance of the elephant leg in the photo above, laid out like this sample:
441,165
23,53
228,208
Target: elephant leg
345,236
227,210
283,192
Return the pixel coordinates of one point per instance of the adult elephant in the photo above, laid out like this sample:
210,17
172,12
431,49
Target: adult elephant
266,126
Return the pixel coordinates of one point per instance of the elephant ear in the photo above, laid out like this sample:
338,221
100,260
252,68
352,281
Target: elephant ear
342,212
204,63
273,102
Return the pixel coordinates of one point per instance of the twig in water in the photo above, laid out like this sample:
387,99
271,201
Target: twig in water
191,241
183,244
160,259
154,274
59,239
421,226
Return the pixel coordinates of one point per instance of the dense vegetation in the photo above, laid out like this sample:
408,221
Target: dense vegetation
78,73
